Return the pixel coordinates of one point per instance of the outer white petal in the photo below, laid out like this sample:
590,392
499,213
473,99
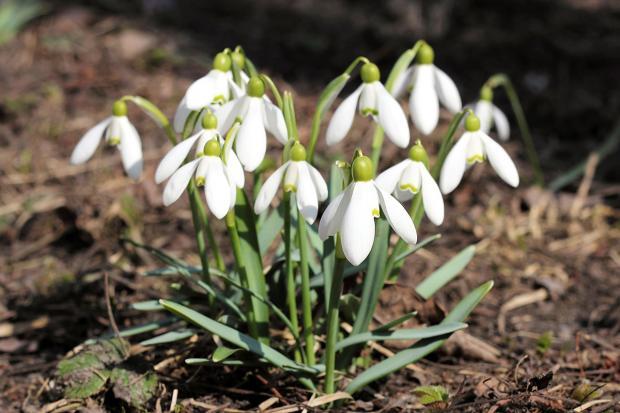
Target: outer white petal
500,161
332,217
180,116
484,111
178,182
269,189
388,179
131,149
431,197
454,166
307,200
392,118
200,93
423,102
397,216
403,81
341,122
217,188
88,143
357,230
501,124
174,158
319,183
228,112
235,170
251,141
274,121
235,90
447,91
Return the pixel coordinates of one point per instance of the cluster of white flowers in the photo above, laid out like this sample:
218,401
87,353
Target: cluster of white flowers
219,164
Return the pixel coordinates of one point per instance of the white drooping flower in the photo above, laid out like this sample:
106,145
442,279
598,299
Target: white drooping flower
429,85
299,177
215,88
219,179
352,214
258,116
411,176
119,132
490,115
371,99
475,146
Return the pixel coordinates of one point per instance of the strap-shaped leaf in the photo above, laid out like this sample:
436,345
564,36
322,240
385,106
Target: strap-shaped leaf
222,353
396,322
445,273
270,228
423,347
134,331
169,337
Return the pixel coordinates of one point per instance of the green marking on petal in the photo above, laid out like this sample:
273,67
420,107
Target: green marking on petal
370,112
290,188
376,213
200,181
114,140
220,99
475,158
409,187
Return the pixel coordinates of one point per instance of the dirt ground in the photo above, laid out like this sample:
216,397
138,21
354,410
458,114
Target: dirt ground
546,335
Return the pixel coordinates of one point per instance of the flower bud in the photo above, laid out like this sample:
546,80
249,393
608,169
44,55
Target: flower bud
222,62
426,54
256,87
486,93
370,73
418,153
472,123
212,148
362,169
298,152
209,121
239,59
119,108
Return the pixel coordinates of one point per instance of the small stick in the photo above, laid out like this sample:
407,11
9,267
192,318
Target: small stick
108,303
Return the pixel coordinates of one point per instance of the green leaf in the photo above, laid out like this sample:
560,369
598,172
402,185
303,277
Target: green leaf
428,395
417,247
445,273
270,229
169,337
133,388
423,347
134,331
403,334
235,337
329,252
222,353
390,325
149,305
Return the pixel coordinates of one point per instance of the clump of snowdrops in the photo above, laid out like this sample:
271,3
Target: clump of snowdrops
323,231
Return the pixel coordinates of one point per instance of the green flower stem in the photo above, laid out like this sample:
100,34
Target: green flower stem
401,65
291,295
504,81
333,321
306,302
239,265
199,217
273,88
155,113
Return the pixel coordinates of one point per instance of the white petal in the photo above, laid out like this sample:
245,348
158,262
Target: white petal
307,201
174,158
392,118
475,150
332,217
227,113
431,197
200,93
88,143
290,178
454,166
131,149
319,183
180,116
411,180
358,223
205,136
178,182
341,122
447,91
501,124
403,81
388,179
235,170
274,121
217,188
397,216
236,91
484,111
269,189
368,97
251,141
500,161
423,102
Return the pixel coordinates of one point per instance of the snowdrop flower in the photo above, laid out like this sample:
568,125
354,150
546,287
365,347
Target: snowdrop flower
411,176
119,132
215,88
490,115
475,146
371,99
220,180
299,177
258,116
352,214
429,86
